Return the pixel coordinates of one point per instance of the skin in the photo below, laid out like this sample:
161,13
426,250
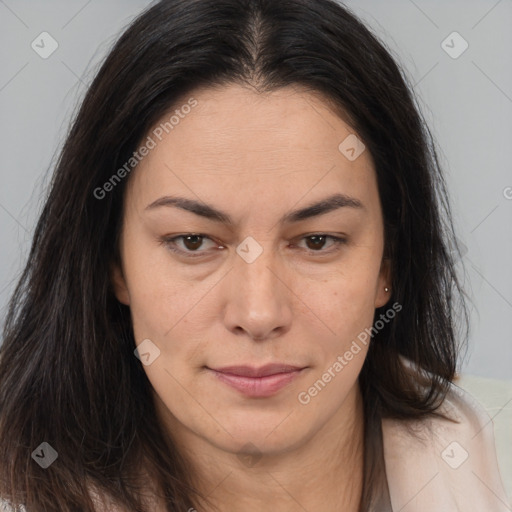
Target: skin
257,157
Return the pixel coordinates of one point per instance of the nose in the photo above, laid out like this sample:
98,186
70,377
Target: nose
258,300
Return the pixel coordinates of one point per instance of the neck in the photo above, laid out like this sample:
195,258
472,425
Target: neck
324,473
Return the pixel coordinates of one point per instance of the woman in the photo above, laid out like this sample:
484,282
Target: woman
240,292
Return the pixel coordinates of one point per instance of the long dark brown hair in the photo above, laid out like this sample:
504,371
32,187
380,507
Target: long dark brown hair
68,375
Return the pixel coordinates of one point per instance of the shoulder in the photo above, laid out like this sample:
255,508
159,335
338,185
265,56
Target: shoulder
442,465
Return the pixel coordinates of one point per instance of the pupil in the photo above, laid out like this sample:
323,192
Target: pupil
196,244
317,239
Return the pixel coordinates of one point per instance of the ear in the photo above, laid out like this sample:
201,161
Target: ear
119,284
384,281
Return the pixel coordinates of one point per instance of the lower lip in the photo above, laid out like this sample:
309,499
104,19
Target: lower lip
258,387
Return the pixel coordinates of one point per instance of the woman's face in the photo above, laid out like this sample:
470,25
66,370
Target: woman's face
257,288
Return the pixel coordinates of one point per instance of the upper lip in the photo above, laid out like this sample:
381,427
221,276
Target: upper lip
262,371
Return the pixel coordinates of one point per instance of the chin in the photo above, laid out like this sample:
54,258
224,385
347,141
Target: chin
268,435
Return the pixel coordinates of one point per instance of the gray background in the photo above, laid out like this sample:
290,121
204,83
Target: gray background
467,101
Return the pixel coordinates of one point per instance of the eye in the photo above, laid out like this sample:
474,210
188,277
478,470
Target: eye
191,242
316,242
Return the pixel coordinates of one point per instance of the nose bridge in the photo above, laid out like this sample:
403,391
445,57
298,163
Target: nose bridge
256,268
258,303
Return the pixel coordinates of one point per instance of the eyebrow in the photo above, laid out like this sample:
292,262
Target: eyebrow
316,209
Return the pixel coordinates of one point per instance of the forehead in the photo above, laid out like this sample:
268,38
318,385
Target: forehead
237,141
236,118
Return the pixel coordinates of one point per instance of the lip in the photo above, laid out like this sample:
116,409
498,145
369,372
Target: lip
259,382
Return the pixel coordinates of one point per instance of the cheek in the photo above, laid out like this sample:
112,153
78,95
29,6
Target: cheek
171,311
345,301
340,351
158,296
152,307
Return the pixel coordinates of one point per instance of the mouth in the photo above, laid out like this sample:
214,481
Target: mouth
259,382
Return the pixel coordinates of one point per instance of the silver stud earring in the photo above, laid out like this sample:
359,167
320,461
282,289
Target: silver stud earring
386,289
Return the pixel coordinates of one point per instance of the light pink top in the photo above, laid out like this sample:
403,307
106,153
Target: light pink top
444,466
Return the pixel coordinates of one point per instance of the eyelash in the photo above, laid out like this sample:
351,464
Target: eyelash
170,244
